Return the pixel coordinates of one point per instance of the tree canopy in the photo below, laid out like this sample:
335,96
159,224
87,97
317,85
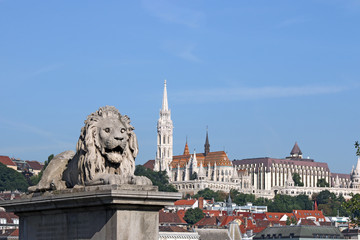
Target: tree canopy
297,180
352,206
12,180
36,178
322,183
159,179
330,204
192,216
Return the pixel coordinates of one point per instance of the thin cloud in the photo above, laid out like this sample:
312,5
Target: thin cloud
171,13
34,130
246,93
182,50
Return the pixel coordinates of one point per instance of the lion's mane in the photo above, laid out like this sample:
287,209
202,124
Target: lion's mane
88,161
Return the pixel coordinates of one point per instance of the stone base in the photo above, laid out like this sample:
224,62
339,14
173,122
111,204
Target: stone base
103,212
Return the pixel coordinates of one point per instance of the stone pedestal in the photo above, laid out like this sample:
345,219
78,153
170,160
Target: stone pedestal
104,212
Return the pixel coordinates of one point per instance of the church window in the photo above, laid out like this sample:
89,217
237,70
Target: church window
164,139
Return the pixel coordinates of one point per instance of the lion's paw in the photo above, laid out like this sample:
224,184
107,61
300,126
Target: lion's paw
141,180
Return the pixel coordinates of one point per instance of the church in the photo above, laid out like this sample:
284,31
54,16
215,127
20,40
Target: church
263,177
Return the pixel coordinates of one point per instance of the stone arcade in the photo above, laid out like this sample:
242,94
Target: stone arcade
93,193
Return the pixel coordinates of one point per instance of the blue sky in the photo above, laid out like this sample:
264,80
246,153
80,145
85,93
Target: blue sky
260,74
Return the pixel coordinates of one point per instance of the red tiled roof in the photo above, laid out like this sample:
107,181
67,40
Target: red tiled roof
6,161
35,165
220,158
9,232
214,212
170,218
150,164
208,221
274,216
303,214
171,229
182,202
307,222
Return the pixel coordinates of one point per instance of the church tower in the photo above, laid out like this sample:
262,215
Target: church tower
164,152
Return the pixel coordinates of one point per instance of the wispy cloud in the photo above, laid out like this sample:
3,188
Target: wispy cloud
182,50
32,129
248,93
171,13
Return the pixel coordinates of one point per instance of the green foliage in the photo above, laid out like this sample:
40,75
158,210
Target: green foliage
12,180
322,183
159,179
193,176
36,178
210,194
357,146
352,206
297,180
330,204
290,221
192,216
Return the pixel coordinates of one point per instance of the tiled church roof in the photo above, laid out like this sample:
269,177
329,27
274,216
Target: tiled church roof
220,158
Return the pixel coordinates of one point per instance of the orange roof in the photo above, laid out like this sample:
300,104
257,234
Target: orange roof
303,214
274,216
189,202
220,158
6,161
186,150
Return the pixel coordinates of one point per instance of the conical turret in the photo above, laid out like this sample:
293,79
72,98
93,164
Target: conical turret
295,152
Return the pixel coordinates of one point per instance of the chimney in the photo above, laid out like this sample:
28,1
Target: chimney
201,203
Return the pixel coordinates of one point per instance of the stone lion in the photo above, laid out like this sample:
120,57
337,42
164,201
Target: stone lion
105,154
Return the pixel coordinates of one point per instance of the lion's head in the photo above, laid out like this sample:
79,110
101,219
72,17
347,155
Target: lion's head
107,144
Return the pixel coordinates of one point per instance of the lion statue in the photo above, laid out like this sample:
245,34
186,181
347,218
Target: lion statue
105,154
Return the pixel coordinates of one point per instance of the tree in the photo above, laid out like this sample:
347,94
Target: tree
36,178
192,216
322,183
352,206
159,179
297,180
193,176
12,180
330,204
208,194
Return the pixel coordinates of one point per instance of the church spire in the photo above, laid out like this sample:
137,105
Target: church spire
207,144
186,150
165,106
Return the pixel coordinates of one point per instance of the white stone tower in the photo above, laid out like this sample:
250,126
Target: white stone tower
164,152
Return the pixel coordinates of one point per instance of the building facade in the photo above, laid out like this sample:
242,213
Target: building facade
263,177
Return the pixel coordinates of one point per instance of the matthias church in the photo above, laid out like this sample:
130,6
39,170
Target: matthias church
263,177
